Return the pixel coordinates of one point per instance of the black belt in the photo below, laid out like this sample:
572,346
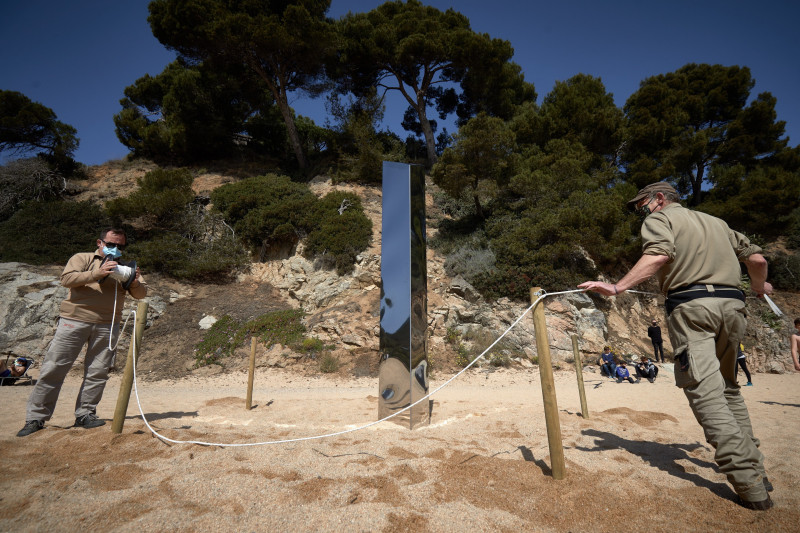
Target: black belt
685,294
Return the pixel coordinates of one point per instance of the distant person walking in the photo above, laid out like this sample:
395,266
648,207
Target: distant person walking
741,360
654,332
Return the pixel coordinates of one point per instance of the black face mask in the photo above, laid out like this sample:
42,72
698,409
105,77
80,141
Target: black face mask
644,211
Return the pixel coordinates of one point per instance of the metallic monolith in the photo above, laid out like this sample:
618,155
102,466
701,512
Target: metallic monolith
403,371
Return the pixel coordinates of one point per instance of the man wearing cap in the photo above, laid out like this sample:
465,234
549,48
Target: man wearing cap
89,315
696,259
654,332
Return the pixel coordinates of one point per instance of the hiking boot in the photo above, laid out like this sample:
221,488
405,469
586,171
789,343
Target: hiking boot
89,421
763,505
31,426
767,485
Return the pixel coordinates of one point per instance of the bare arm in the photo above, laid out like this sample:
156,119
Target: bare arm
757,269
645,268
795,342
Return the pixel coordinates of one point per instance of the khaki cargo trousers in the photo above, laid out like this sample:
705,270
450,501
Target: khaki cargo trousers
705,334
70,337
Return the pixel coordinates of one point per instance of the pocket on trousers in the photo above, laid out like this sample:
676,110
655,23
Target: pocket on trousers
695,362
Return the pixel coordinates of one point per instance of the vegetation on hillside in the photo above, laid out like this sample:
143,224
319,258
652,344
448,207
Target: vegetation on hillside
533,192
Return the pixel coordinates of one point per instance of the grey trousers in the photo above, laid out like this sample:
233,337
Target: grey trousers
705,334
67,343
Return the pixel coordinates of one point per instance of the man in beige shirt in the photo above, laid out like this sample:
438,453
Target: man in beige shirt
695,258
90,316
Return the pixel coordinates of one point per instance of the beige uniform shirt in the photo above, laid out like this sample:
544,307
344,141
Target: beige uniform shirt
702,249
89,300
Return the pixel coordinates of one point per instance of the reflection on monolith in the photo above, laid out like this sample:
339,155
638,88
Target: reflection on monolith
403,371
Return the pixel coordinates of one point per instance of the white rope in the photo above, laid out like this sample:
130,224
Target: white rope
113,316
542,295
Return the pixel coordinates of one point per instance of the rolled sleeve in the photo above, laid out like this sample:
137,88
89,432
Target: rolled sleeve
744,248
657,237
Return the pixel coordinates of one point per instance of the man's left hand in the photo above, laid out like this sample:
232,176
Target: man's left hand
606,289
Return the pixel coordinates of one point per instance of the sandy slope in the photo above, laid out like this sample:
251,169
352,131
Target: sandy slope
638,463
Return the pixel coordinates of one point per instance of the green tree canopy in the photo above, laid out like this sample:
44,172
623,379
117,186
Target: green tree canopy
578,109
683,123
283,43
480,162
266,211
422,53
30,127
188,113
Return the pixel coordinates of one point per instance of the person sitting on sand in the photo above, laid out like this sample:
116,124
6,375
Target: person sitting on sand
8,376
623,374
607,365
646,369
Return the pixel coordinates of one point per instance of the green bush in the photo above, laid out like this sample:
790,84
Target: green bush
159,201
265,211
341,233
215,259
218,342
226,334
279,327
784,271
272,211
51,232
312,345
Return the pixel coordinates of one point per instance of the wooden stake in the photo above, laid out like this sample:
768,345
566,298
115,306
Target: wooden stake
249,401
548,388
579,373
127,377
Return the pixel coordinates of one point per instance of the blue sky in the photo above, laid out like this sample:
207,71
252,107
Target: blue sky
77,57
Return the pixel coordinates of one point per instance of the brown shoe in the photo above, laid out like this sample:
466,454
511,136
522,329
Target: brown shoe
763,505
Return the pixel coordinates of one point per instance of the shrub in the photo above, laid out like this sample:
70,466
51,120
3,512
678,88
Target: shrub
218,342
214,259
328,364
784,271
278,327
50,232
29,179
160,199
343,231
469,261
227,334
311,345
265,211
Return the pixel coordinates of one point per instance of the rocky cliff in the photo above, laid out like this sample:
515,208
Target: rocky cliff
343,311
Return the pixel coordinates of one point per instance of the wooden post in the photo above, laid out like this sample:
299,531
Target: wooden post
249,401
548,388
579,372
127,377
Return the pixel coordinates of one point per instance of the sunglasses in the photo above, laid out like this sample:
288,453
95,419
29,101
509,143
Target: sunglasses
120,247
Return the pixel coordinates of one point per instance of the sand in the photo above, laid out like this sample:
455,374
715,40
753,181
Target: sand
639,462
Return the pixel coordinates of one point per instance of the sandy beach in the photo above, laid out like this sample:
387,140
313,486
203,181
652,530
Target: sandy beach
639,462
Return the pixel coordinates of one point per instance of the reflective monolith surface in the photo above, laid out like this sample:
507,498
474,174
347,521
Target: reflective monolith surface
403,372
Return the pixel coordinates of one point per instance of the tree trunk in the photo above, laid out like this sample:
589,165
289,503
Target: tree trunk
478,208
291,128
697,185
427,131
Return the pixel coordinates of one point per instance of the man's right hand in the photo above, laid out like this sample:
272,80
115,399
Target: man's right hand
106,268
